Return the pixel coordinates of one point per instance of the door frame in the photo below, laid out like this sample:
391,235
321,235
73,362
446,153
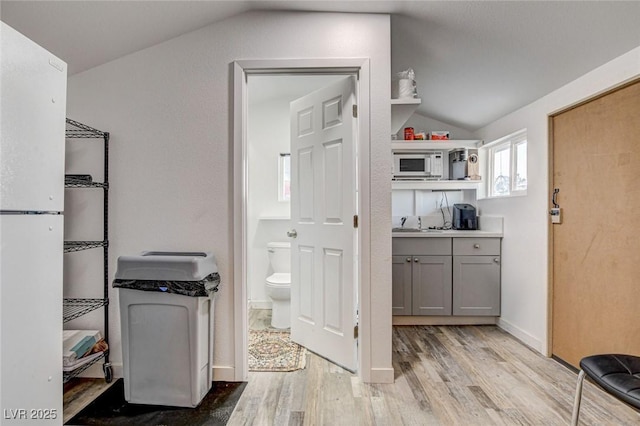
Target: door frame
241,69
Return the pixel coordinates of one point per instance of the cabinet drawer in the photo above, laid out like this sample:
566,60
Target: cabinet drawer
476,246
421,246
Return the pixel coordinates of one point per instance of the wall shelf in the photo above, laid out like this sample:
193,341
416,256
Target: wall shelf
438,145
401,110
439,185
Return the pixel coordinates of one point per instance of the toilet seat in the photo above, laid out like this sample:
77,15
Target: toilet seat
279,279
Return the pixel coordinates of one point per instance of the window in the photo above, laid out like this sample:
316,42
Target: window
507,165
284,177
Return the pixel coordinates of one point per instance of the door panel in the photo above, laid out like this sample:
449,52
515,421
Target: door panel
333,285
476,285
306,292
401,283
306,187
323,200
595,295
432,285
333,178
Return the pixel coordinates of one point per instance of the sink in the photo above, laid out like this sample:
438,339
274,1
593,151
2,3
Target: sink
414,230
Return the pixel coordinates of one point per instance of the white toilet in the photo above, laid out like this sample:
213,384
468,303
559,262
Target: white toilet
279,284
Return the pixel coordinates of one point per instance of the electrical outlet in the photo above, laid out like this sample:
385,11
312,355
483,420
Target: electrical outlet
556,215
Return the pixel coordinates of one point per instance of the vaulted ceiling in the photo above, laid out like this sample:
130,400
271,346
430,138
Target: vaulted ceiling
475,61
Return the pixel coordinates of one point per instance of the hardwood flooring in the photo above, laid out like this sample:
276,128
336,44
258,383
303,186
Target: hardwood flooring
80,392
445,375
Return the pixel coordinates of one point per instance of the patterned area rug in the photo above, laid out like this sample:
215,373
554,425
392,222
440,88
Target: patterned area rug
273,350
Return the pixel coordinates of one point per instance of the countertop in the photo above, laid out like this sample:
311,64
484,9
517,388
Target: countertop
449,233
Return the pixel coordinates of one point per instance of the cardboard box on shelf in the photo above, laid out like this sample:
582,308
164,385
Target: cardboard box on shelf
440,136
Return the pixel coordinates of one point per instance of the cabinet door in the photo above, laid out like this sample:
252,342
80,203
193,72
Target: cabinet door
476,285
401,284
431,285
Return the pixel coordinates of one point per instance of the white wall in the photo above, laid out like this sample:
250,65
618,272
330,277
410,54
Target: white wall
169,111
524,248
422,123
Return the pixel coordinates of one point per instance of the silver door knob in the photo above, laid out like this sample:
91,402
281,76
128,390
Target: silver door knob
476,246
408,259
496,260
292,234
415,259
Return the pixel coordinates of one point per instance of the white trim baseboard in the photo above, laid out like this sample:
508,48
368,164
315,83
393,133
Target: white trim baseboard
525,337
96,372
224,373
442,320
382,375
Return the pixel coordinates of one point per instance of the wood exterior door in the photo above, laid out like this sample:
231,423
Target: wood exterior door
596,247
323,204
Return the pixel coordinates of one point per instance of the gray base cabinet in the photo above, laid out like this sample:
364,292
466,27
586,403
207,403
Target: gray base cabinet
431,285
476,285
401,277
476,276
446,276
421,276
421,285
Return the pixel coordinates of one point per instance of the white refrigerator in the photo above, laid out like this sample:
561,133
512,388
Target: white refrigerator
32,137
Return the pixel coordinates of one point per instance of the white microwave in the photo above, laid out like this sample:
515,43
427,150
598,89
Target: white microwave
418,165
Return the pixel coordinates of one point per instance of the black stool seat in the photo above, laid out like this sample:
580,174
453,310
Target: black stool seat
619,375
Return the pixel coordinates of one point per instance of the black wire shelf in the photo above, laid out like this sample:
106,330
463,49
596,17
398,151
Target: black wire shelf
68,375
75,130
75,308
73,246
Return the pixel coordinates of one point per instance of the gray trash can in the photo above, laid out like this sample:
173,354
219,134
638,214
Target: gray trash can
166,318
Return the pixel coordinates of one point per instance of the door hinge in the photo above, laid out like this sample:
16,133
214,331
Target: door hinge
355,220
355,331
355,111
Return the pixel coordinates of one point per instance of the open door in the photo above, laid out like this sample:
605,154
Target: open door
323,205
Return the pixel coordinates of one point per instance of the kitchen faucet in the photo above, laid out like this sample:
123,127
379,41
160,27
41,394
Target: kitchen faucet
419,222
403,219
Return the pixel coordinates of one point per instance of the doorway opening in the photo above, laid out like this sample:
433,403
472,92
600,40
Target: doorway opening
263,178
268,214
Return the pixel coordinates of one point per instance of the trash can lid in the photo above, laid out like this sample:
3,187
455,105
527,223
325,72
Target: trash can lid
166,266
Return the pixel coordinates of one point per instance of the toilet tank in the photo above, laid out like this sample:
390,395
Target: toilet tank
279,256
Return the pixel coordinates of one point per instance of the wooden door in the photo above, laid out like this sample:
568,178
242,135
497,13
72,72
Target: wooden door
323,203
596,247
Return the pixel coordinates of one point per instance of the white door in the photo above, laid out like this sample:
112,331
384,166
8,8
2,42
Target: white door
323,203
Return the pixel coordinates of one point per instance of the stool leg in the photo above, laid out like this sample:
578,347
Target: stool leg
576,402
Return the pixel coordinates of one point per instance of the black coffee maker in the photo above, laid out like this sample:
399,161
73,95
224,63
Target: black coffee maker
464,217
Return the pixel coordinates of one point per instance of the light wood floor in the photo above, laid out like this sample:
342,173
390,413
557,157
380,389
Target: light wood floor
80,392
449,375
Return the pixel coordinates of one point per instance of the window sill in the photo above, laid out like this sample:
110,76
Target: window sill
500,197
